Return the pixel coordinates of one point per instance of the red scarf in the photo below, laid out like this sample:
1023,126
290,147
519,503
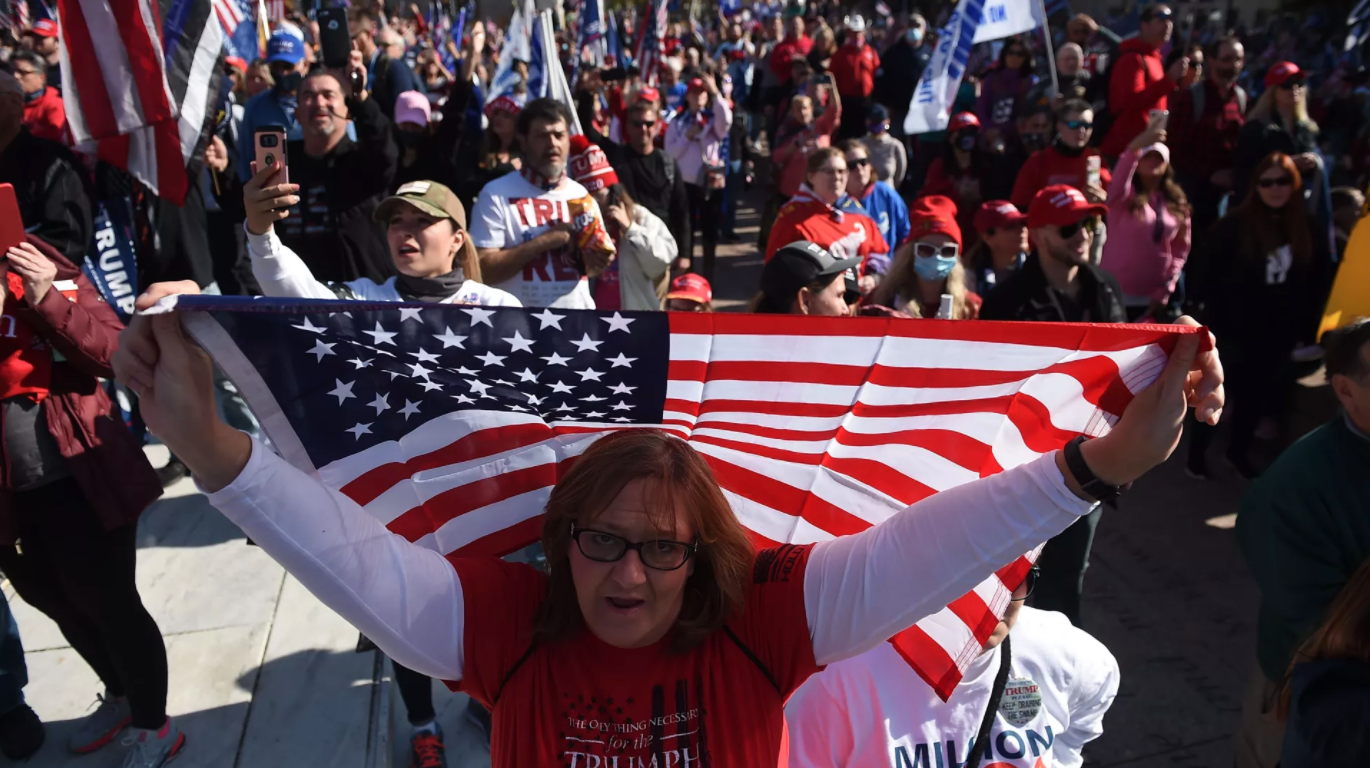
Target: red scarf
25,359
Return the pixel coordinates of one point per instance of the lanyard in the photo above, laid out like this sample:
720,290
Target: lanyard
1000,682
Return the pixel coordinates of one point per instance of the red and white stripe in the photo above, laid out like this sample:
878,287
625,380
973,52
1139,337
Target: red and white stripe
119,101
229,14
810,437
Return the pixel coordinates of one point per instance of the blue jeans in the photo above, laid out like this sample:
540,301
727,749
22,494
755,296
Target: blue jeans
14,674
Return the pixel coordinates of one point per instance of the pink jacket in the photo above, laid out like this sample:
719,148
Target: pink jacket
791,158
1142,266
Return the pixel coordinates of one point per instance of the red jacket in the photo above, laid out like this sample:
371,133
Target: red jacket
104,459
845,235
783,52
1138,86
854,70
46,116
1048,166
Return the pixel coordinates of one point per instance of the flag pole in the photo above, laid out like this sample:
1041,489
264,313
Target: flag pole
1051,53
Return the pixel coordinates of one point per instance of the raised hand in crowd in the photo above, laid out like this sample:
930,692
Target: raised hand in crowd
266,202
216,154
36,270
353,75
1182,73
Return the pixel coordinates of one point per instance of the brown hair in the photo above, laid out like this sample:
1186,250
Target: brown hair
1345,634
1265,229
683,485
820,156
467,258
903,283
1170,190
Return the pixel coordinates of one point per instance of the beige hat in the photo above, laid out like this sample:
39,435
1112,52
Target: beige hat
428,196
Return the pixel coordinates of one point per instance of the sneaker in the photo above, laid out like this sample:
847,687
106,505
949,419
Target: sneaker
21,733
173,472
153,749
426,749
111,716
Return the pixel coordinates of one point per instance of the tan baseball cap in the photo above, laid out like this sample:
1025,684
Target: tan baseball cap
430,197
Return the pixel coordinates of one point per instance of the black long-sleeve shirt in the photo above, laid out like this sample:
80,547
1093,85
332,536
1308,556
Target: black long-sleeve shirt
655,182
52,191
331,227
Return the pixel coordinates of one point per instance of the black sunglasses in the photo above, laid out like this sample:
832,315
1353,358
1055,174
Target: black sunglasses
1015,52
858,161
1076,125
644,123
1165,14
1069,230
1283,181
1291,84
659,554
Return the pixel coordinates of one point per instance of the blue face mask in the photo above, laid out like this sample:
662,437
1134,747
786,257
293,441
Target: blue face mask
915,35
934,268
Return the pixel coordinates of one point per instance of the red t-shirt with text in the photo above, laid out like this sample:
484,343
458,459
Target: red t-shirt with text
581,703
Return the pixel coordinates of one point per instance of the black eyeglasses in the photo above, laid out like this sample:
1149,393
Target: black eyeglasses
858,161
1069,230
1077,125
1031,581
659,554
928,250
1283,181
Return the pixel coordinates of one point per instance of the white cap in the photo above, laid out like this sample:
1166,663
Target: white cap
856,23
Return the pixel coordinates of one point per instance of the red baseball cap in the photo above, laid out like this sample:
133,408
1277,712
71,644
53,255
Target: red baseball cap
931,214
1059,205
691,287
996,214
962,120
44,28
1281,73
649,93
695,84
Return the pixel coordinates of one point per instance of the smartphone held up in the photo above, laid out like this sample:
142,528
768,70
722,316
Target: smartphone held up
269,142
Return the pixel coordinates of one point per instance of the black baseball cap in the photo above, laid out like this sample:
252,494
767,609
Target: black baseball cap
799,264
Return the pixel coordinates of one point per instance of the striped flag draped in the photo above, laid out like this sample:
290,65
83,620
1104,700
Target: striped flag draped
651,41
451,424
137,91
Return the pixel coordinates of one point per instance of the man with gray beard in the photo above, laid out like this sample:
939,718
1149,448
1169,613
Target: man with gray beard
336,183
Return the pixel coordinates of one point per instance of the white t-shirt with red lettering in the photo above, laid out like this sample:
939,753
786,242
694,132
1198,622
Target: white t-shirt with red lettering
510,211
874,711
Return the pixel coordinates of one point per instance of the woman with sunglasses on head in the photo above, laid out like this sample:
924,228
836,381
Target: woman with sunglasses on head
928,266
1254,266
1042,685
1279,122
1069,159
962,171
823,213
659,632
1148,228
1003,90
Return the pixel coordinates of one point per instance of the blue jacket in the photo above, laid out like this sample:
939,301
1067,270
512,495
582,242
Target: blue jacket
891,215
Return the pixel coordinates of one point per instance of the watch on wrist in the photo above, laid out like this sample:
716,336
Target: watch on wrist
1092,486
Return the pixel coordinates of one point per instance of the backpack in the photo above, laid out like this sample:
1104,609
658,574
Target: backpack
1198,93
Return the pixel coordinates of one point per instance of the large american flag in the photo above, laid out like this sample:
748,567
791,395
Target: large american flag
452,423
138,79
651,41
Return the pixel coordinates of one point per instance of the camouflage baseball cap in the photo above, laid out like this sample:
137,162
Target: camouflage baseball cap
430,197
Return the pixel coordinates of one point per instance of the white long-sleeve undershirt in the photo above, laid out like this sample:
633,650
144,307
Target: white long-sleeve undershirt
858,589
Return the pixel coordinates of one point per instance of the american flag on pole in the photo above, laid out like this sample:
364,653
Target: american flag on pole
452,423
138,79
651,42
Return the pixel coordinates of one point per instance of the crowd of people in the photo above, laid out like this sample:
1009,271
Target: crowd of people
1082,177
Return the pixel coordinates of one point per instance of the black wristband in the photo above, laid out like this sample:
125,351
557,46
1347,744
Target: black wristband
1092,486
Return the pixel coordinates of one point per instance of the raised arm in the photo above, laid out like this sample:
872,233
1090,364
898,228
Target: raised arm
323,538
279,270
861,589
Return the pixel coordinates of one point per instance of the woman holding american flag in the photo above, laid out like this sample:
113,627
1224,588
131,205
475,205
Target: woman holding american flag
659,634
